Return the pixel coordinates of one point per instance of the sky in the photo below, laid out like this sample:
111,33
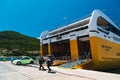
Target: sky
32,17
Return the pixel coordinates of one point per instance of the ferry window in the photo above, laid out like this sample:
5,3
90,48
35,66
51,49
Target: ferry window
115,30
104,24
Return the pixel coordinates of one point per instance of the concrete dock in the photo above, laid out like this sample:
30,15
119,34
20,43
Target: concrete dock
86,74
9,71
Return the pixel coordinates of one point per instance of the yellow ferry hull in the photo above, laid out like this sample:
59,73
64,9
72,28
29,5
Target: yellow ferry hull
105,55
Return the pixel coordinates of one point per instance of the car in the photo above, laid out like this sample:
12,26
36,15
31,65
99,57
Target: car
23,60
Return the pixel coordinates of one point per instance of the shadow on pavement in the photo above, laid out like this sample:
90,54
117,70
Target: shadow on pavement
53,72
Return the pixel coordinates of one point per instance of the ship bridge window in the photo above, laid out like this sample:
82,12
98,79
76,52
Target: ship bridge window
104,24
115,30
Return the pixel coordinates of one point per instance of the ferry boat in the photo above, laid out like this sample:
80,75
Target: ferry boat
94,42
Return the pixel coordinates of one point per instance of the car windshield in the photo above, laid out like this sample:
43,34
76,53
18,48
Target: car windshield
25,58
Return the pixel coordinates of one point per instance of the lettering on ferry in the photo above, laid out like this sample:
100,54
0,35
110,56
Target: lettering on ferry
107,48
72,35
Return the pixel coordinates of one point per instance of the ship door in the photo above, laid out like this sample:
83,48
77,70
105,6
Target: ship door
61,50
44,49
84,47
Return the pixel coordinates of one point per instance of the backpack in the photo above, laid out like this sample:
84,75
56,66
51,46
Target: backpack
41,60
50,60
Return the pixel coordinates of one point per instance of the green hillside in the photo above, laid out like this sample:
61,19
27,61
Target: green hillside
17,43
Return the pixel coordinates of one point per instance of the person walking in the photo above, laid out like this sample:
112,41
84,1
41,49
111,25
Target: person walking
41,61
49,62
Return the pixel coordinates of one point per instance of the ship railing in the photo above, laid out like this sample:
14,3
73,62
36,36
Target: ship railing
63,58
82,58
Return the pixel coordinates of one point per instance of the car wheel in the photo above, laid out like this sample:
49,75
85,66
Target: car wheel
31,62
19,63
